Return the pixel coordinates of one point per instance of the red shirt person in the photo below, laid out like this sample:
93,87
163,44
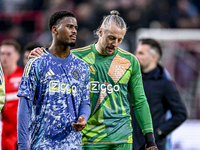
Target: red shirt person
9,55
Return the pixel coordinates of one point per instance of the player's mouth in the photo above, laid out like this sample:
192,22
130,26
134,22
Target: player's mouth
73,37
110,49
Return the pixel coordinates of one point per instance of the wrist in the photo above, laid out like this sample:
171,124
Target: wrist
150,140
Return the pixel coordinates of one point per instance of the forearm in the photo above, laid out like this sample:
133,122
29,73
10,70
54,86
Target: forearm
23,116
143,116
139,101
142,112
171,124
85,110
176,107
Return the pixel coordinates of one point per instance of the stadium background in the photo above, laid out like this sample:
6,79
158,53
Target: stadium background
27,21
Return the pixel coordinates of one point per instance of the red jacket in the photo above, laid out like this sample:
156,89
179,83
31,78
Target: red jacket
9,112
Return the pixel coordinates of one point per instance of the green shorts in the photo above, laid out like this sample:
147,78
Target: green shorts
122,146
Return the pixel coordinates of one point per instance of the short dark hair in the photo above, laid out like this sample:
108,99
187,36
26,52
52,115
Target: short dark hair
31,45
12,42
153,44
58,16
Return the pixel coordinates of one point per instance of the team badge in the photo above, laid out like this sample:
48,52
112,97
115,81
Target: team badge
76,74
23,85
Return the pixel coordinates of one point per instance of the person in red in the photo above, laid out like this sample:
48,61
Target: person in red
9,56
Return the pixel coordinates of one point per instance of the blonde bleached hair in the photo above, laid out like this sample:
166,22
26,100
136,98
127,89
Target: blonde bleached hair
113,18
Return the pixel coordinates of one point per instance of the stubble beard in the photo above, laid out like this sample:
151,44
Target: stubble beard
107,53
72,44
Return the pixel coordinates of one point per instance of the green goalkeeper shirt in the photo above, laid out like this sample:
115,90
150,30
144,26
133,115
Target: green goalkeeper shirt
111,77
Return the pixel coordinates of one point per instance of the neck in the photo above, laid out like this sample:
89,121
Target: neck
59,51
98,48
9,70
149,68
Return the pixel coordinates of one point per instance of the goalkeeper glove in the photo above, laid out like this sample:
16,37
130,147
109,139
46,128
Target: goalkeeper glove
152,148
150,141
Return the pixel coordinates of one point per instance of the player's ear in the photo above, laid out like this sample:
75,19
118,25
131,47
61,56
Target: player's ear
54,30
155,57
17,57
100,31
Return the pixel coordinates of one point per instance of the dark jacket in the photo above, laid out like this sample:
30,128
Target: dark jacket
162,95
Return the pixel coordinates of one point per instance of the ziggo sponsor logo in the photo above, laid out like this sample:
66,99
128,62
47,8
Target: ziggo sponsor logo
56,86
96,87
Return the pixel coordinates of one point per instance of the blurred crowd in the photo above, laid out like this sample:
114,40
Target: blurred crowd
26,20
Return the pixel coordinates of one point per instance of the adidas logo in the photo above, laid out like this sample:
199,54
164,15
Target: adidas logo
49,73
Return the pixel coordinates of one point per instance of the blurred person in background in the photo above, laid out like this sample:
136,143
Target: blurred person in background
10,54
27,49
185,15
113,72
161,92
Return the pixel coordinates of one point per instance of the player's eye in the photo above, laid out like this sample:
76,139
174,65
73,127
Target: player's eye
111,38
119,40
69,26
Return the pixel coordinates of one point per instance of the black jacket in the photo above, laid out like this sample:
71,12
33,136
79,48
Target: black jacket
162,95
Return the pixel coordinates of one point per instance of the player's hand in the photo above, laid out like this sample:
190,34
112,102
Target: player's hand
150,141
36,52
80,125
152,148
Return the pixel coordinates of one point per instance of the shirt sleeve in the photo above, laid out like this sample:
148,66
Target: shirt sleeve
29,79
2,89
173,101
23,117
139,101
85,103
